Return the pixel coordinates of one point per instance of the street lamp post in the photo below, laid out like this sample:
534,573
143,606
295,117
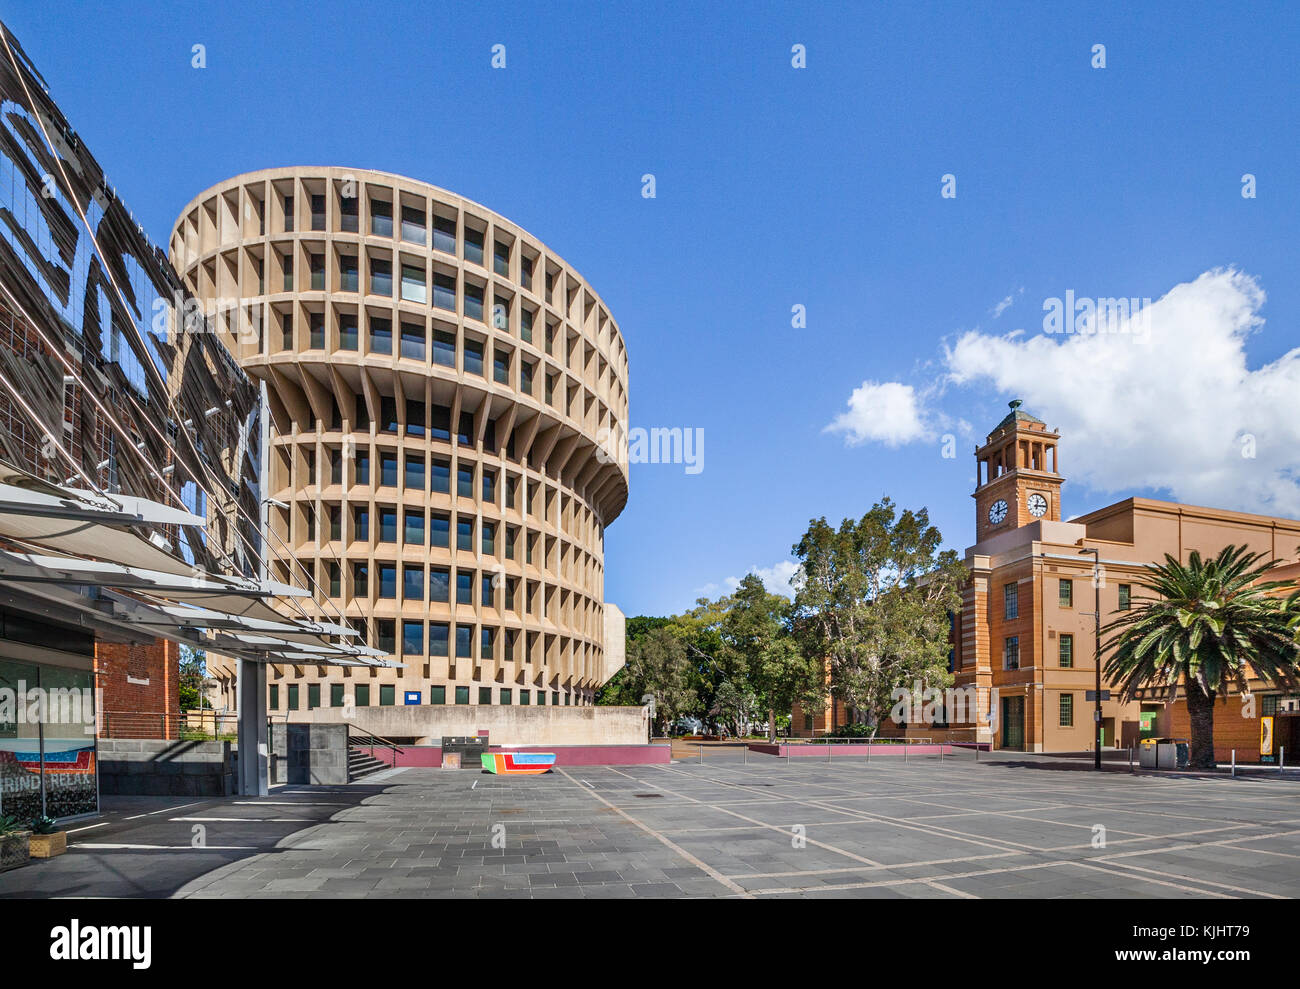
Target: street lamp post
1096,655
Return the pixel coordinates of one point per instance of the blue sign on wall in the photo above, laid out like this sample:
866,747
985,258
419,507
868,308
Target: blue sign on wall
412,697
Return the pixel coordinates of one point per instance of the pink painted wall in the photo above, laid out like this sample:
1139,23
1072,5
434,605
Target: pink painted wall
430,756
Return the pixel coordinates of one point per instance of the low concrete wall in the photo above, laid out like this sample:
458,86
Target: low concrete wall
309,753
505,725
165,768
888,749
565,755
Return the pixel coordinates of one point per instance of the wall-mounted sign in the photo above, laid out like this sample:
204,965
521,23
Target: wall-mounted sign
1266,735
411,697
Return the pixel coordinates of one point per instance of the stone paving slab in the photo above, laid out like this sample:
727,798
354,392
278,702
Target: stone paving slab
724,828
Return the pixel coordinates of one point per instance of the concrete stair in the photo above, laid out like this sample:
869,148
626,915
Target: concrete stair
361,764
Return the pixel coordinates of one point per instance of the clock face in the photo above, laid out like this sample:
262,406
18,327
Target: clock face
997,511
1037,505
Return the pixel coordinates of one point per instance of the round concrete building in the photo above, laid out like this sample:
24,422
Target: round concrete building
440,387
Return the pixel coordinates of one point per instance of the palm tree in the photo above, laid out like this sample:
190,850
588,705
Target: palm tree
1211,623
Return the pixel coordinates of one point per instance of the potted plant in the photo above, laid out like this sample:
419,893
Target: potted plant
14,848
46,839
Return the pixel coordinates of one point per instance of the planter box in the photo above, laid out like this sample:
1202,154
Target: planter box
14,851
46,846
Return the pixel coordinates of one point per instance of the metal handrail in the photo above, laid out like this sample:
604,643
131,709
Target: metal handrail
376,741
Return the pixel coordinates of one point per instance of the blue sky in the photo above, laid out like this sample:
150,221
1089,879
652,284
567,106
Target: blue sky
819,187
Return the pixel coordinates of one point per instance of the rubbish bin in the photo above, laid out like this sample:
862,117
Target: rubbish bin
1147,753
1162,753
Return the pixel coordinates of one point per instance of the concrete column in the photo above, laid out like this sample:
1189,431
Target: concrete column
252,729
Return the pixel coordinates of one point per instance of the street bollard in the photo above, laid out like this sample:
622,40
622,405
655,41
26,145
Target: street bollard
829,745
1281,759
1234,763
1130,758
701,753
905,751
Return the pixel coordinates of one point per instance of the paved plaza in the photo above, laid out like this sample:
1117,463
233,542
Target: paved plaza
729,827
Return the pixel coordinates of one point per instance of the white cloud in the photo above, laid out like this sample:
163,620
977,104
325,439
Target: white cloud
1006,303
883,413
1170,410
775,578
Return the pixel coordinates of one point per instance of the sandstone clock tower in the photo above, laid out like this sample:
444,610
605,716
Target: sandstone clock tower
1017,478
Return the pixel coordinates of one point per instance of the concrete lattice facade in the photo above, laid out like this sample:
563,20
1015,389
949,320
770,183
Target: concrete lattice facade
441,388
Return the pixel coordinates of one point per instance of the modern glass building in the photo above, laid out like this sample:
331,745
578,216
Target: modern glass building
129,465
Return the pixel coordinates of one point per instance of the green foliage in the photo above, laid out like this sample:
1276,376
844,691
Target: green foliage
193,670
11,825
1208,625
875,602
855,730
43,825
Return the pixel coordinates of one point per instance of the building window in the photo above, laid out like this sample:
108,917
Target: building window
313,696
348,332
440,531
437,695
465,482
288,214
387,470
473,358
274,705
438,639
439,585
381,335
1067,593
489,533
413,531
462,695
362,691
413,287
348,214
1065,647
293,697
440,474
335,579
474,302
386,630
1011,653
464,588
526,273
1011,601
387,694
505,695
349,279
414,469
474,246
486,594
336,695
444,348
388,525
412,638
317,212
381,218
413,340
413,583
501,259
444,234
360,580
361,524
486,638
413,225
317,331
464,642
381,277
489,487
1125,597
1067,710
501,366
465,535
387,580
444,292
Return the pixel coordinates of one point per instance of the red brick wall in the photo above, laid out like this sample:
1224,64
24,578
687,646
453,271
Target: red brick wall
139,689
1231,730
